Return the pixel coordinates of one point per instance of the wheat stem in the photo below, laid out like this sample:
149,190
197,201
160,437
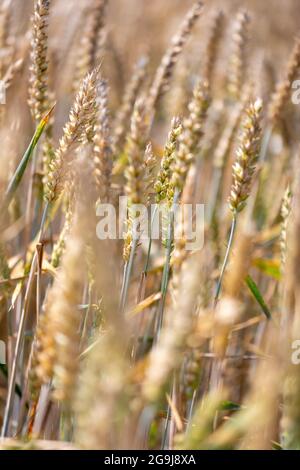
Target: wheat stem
20,335
226,258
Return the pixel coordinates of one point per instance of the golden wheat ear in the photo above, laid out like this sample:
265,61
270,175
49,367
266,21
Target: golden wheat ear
243,169
76,130
91,44
237,60
6,38
191,135
135,171
38,78
283,88
285,211
247,156
163,180
213,44
165,70
102,146
129,98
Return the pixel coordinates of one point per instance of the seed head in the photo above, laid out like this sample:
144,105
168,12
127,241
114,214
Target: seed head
283,89
102,151
213,46
166,69
38,81
130,95
247,155
162,184
192,132
91,41
237,65
285,213
77,130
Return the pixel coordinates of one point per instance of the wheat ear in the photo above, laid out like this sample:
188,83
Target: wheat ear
102,151
59,348
283,89
126,108
38,78
136,168
66,319
5,39
190,137
165,71
212,47
285,213
247,156
237,60
165,356
162,184
81,120
242,173
91,41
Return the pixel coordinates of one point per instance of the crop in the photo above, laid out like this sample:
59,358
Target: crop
114,339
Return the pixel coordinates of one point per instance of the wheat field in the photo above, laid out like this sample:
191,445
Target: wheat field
110,340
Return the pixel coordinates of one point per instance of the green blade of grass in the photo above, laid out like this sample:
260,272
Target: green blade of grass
258,296
18,175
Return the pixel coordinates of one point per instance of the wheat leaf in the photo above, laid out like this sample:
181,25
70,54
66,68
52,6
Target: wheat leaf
258,296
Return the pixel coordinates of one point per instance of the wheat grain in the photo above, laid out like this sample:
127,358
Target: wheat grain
190,138
102,151
212,47
283,88
237,65
91,43
81,119
162,184
129,97
38,82
246,157
165,71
